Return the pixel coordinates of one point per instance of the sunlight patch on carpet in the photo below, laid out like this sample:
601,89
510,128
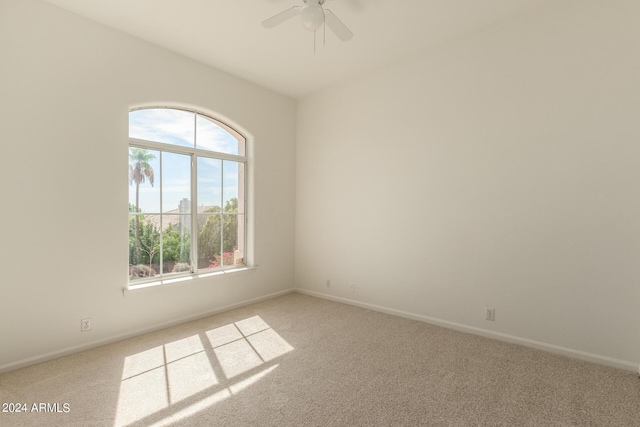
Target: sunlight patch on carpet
193,409
269,345
189,376
178,379
237,357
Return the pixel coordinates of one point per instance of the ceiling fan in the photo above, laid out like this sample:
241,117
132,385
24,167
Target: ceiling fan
313,15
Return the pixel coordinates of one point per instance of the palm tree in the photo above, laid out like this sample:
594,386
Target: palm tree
139,172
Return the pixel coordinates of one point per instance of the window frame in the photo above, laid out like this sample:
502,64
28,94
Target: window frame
194,152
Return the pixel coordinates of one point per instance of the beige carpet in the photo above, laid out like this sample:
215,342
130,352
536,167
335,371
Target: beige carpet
298,360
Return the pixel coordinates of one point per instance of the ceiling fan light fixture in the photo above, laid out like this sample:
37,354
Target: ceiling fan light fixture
312,16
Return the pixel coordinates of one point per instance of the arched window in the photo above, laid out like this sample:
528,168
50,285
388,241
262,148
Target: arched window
186,194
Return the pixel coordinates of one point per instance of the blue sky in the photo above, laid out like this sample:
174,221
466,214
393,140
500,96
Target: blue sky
217,179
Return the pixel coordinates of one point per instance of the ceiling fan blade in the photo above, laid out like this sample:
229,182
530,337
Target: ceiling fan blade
337,26
281,17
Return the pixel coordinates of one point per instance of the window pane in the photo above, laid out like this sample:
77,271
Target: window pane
144,247
176,183
163,125
209,183
144,169
176,243
233,191
209,238
212,136
233,252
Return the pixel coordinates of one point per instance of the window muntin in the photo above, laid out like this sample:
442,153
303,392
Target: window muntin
176,169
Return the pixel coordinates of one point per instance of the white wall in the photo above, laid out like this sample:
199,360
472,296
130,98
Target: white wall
501,170
66,85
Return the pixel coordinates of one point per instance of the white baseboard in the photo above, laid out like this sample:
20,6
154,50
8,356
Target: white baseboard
70,350
538,345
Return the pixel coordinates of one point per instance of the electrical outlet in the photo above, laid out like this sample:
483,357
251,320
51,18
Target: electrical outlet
85,324
328,283
491,314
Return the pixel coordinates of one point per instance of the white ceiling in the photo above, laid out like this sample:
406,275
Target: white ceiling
227,34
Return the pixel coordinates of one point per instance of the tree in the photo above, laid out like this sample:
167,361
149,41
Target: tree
209,235
219,234
230,227
175,245
139,172
147,242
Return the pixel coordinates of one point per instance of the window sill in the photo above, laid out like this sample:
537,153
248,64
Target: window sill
163,283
